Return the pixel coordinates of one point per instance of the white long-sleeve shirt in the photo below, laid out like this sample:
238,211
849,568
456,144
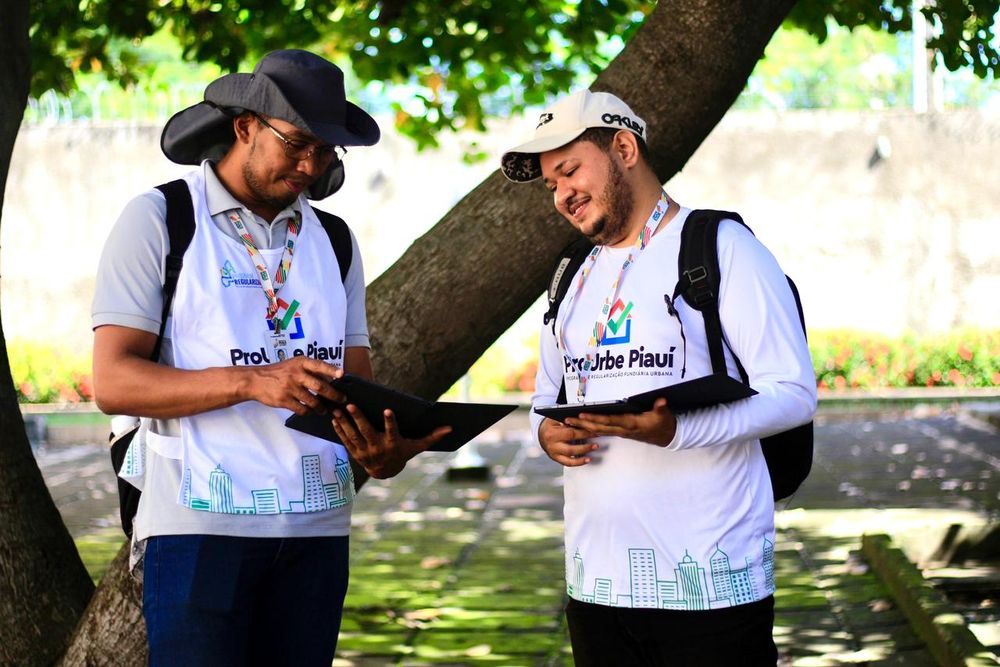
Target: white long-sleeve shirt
689,526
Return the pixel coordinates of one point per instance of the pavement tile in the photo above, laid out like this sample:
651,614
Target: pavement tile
445,644
800,598
904,658
879,613
492,620
535,601
899,637
471,572
374,643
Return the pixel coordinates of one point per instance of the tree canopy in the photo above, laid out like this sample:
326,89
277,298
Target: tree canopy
462,61
458,61
963,32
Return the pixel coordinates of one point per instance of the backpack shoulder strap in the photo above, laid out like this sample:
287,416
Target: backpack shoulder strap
569,261
340,239
180,230
699,277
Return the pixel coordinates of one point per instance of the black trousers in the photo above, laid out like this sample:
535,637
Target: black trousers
603,636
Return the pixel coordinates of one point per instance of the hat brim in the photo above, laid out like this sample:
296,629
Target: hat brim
521,164
197,133
205,132
331,181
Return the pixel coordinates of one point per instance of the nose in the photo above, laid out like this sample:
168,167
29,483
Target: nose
563,194
311,165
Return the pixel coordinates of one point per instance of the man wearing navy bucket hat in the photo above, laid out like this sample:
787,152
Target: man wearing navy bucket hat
243,522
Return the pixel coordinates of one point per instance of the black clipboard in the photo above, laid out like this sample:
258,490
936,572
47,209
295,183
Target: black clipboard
416,416
682,397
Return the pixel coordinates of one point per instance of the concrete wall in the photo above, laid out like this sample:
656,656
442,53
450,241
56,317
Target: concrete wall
888,222
909,240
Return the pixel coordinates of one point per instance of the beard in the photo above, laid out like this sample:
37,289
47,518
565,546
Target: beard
257,186
617,198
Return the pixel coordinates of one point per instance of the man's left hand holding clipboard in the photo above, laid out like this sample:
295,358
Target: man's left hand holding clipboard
383,427
383,453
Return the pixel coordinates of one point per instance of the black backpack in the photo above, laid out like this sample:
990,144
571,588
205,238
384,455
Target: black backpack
180,230
789,453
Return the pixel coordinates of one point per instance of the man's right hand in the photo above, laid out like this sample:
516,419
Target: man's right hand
299,384
563,443
126,382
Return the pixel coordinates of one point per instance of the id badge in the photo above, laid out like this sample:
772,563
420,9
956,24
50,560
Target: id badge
279,344
572,381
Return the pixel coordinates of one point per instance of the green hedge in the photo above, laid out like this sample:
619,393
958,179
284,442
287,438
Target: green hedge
45,374
846,359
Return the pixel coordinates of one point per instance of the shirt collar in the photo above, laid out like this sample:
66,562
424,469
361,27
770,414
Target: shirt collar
220,200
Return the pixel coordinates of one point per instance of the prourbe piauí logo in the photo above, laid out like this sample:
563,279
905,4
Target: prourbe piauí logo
618,331
233,278
291,319
619,326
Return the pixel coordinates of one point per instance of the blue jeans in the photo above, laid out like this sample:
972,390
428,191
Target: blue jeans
216,600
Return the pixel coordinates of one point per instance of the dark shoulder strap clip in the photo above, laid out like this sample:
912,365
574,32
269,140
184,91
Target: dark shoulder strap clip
570,259
698,276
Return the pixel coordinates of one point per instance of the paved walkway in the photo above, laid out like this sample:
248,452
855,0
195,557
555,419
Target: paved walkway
468,571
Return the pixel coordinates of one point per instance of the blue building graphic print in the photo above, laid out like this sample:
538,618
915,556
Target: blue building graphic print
317,493
692,586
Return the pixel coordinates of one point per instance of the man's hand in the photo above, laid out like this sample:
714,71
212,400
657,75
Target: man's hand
564,444
657,426
298,384
381,454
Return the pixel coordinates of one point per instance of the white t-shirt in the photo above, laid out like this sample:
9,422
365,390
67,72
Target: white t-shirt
689,526
129,292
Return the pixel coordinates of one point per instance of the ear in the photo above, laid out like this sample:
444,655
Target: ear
626,147
243,127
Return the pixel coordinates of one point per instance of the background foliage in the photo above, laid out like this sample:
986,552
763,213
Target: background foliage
46,374
449,67
846,359
454,66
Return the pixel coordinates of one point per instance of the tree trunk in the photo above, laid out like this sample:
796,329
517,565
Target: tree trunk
458,287
469,278
112,632
43,584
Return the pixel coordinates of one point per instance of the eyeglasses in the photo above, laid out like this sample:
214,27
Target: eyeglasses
303,150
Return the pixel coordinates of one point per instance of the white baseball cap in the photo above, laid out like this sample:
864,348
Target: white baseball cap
563,122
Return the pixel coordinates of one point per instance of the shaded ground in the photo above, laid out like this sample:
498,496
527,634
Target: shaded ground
471,572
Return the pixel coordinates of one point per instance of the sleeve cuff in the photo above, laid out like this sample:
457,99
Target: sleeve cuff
675,444
357,340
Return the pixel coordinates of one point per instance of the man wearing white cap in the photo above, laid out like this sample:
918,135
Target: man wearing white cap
245,522
669,518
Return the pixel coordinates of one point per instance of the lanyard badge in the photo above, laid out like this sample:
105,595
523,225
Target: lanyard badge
577,374
276,338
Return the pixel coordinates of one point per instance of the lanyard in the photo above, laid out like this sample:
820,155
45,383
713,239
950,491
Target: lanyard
600,325
284,266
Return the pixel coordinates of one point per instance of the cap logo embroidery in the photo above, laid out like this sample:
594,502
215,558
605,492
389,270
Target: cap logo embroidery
625,121
543,119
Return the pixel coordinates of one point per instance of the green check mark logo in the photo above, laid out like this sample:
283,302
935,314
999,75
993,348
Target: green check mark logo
290,313
614,325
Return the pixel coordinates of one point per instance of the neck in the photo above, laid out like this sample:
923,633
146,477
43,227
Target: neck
230,174
644,201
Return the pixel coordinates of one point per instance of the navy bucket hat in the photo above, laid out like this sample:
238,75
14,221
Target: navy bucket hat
294,85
